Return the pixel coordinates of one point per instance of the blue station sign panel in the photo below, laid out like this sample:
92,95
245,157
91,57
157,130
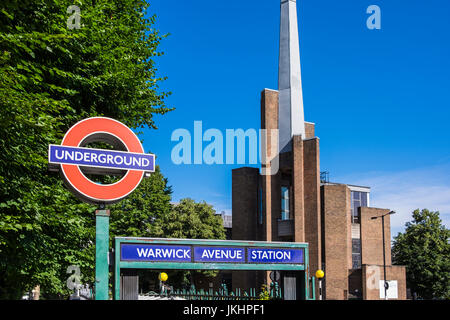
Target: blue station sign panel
219,254
265,255
101,158
209,254
154,253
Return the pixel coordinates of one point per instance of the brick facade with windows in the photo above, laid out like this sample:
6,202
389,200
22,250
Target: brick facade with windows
293,205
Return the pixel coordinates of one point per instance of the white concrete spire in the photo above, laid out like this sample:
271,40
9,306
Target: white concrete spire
290,104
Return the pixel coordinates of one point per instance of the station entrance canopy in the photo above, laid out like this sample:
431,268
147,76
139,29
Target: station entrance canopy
190,254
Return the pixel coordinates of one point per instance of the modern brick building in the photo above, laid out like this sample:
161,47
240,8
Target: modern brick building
293,204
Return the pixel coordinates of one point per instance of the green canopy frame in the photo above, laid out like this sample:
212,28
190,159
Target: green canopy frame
120,264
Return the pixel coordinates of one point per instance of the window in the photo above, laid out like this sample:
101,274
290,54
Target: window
356,261
356,253
364,199
358,199
285,213
356,245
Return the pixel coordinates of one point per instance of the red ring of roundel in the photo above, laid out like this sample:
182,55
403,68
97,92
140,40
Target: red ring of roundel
79,183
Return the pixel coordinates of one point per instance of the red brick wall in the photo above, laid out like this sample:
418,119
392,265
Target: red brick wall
336,240
297,188
311,176
309,130
245,210
302,169
244,203
372,237
269,120
372,274
269,109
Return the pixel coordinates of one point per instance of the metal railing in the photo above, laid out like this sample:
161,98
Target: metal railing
272,292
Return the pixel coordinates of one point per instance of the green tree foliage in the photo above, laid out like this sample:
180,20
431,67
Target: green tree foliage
190,220
137,215
50,78
425,251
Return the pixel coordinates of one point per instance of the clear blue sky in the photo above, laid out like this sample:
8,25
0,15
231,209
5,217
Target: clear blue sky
379,98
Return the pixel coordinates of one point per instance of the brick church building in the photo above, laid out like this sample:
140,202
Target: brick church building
295,204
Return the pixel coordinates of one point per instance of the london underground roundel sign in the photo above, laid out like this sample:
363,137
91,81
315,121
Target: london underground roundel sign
73,159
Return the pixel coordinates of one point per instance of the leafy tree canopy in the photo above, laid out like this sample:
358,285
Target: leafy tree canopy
190,220
425,251
138,214
52,76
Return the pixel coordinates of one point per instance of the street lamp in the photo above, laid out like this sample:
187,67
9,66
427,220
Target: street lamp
386,285
162,279
319,275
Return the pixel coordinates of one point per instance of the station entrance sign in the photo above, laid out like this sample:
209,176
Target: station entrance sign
208,254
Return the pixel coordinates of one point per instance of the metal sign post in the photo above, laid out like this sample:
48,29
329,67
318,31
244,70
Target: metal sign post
101,254
73,159
275,276
320,274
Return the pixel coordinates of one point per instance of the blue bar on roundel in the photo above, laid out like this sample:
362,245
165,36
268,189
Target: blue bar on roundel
101,158
155,253
265,255
219,254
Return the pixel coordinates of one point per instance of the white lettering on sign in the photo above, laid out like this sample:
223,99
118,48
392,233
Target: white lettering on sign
59,157
270,255
101,158
222,254
118,159
163,253
78,156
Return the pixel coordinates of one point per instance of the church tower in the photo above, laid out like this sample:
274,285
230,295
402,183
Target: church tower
284,206
287,201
